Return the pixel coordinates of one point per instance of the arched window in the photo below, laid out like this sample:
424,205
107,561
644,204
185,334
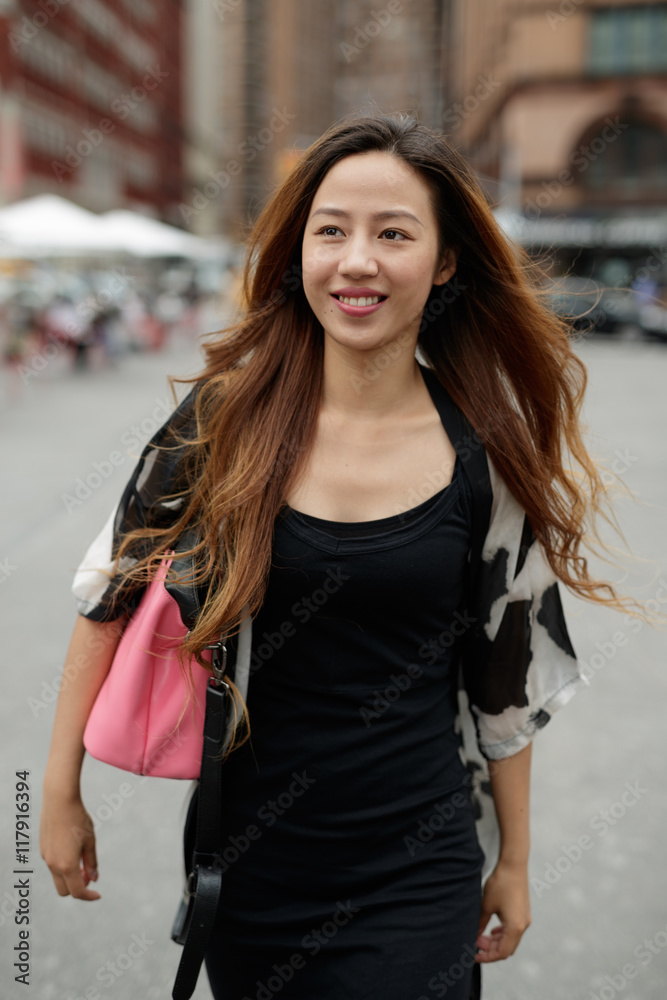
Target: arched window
622,158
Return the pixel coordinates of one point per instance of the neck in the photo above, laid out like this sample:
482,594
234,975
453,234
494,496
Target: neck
370,383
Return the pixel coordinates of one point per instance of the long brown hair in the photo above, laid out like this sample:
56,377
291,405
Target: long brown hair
501,353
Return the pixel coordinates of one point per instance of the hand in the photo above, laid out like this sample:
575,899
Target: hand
67,844
506,894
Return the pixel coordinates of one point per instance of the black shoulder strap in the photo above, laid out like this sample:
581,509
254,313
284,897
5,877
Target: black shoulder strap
471,452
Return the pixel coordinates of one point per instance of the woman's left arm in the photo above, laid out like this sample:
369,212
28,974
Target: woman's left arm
506,891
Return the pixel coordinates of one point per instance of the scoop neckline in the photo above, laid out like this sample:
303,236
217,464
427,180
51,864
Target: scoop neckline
376,521
387,521
380,534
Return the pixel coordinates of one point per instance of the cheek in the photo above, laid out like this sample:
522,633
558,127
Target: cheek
317,267
414,277
314,259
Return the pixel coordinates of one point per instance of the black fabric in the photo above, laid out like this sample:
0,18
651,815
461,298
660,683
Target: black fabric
351,866
202,865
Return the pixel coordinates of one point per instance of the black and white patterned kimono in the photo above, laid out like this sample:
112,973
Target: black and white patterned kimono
375,714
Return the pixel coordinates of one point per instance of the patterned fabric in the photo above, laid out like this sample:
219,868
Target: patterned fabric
517,663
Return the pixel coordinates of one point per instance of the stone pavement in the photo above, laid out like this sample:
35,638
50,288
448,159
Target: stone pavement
599,800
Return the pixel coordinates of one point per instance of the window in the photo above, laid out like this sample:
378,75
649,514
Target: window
100,87
140,167
628,40
49,56
633,165
46,132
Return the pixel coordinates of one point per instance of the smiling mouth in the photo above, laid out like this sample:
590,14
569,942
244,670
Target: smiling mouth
371,300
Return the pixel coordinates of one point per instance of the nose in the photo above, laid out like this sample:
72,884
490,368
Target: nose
357,258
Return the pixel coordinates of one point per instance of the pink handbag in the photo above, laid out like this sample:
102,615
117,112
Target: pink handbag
139,721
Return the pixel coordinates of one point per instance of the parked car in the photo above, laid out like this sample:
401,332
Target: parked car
654,322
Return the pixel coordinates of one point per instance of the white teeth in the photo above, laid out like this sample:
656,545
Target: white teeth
371,301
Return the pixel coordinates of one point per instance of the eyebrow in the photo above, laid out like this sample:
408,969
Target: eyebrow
389,214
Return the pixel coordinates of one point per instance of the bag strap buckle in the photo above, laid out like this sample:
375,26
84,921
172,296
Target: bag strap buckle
218,662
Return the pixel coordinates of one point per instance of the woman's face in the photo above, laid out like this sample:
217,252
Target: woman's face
370,251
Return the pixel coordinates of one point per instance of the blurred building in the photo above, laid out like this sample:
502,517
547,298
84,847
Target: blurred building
290,69
391,55
561,105
91,102
203,116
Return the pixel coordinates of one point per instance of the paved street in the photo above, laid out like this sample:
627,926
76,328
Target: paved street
599,796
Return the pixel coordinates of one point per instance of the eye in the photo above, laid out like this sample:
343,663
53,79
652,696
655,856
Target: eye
394,235
329,231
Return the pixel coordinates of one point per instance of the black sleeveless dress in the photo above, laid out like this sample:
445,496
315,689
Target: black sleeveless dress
352,869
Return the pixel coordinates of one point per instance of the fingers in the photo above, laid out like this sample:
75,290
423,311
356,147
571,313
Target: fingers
60,884
89,860
484,918
73,881
500,943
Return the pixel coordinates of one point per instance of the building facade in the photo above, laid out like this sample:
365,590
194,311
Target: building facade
91,102
561,105
292,68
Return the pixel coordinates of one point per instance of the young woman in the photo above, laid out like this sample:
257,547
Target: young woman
324,477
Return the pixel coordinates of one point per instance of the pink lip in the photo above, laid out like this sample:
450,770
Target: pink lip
357,293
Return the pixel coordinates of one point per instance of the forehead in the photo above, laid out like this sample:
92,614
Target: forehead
377,179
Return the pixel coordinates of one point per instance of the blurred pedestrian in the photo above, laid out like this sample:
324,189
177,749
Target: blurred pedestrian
376,460
66,325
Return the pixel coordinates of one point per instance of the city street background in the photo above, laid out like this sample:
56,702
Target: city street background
590,913
138,142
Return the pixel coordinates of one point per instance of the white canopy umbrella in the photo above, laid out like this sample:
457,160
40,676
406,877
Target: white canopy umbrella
145,237
48,225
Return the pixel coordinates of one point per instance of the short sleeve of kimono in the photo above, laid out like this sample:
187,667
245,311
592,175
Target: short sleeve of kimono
519,667
146,500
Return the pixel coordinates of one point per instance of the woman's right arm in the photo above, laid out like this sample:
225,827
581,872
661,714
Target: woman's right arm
67,837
